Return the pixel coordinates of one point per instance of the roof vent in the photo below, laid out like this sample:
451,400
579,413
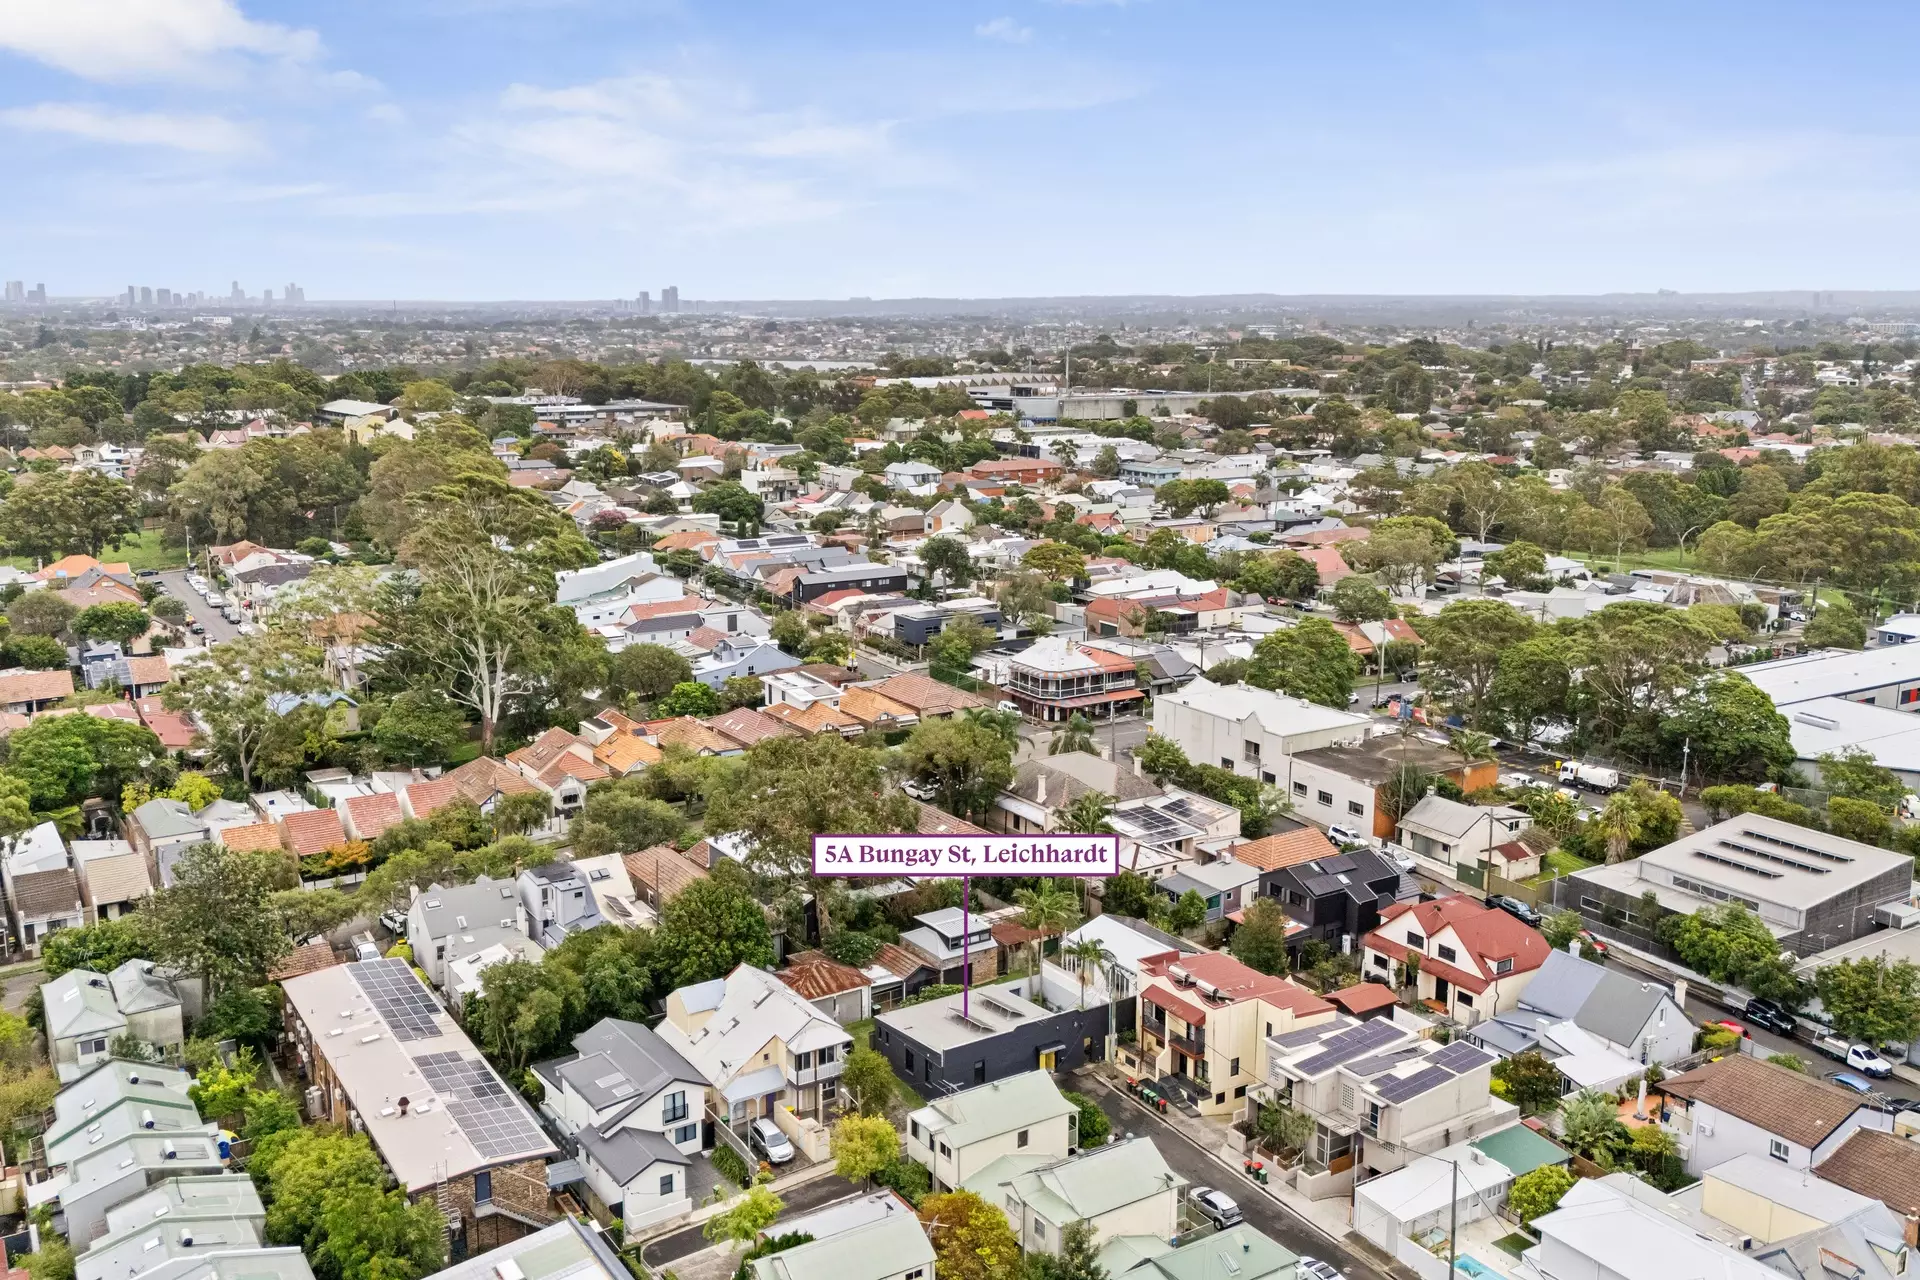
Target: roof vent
168,1151
146,1119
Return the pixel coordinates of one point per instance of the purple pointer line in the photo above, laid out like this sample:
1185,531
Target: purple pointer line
966,945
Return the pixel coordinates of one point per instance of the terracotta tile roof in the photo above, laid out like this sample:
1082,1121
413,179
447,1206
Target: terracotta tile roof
1788,1104
1011,933
898,960
36,686
103,591
1237,982
306,958
1287,849
625,752
112,711
685,540
816,717
689,605
371,815
1877,1165
1364,997
314,831
423,798
73,566
687,732
175,731
11,720
927,696
705,638
815,975
1328,562
747,726
938,822
151,669
40,894
661,872
482,778
871,708
254,835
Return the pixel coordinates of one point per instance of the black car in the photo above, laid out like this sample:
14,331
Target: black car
1517,909
1767,1014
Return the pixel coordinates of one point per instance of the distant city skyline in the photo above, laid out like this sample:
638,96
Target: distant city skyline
575,149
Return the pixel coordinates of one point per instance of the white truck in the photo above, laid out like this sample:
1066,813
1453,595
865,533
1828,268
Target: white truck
1859,1057
1591,776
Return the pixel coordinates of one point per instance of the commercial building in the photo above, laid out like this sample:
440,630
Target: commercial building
1883,677
1250,731
1047,1022
1055,678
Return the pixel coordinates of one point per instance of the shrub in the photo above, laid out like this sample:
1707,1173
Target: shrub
728,1164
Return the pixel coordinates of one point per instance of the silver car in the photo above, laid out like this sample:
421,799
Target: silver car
1215,1206
767,1139
1314,1269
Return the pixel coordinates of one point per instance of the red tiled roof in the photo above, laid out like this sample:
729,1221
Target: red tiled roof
927,696
252,836
1287,849
1236,982
152,669
307,958
373,814
1364,997
423,798
748,726
36,686
1488,934
314,831
174,730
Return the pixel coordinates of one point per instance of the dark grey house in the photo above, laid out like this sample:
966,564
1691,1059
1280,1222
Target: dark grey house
860,576
1335,895
937,1049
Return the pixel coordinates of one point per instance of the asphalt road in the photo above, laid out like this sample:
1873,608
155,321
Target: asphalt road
1202,1170
174,583
802,1199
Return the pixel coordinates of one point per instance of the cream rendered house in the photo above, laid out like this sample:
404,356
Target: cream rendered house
957,1137
760,1044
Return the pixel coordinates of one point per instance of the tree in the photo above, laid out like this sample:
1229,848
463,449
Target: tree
1281,1128
1730,944
1618,824
250,693
1539,1192
1591,1125
65,759
966,761
1311,660
1055,561
217,920
1089,957
1129,894
380,1235
688,698
1856,774
1522,566
755,1212
53,1260
947,557
709,929
420,726
622,816
789,789
1261,940
863,1145
525,1009
742,691
1733,731
121,622
971,1238
868,1081
1834,625
1465,644
959,640
1047,908
1189,911
301,1171
63,512
1075,735
101,947
1533,1083
41,613
1087,815
733,504
521,812
1563,927
650,671
1079,1256
1872,999
1025,598
1403,551
1357,600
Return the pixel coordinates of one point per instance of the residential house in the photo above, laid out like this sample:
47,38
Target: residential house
743,655
759,1044
1884,1166
1224,885
161,831
840,991
1251,731
1380,1095
1741,1105
1335,896
1125,1188
959,1135
609,580
205,1224
1455,1186
1473,961
1610,1227
1046,1021
447,923
558,901
104,1176
1045,786
561,764
893,1247
613,891
1055,679
1461,838
660,873
912,476
43,893
113,878
630,1105
1622,1022
1346,785
924,696
25,692
81,1017
958,946
1240,1251
383,1058
570,1249
1206,1019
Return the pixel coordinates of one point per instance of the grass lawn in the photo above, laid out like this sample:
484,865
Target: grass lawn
909,1096
144,551
1652,558
1559,863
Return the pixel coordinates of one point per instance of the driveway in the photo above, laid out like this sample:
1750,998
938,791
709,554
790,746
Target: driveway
805,1198
173,582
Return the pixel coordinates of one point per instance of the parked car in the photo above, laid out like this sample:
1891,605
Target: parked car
1599,945
1007,704
1314,1269
1344,836
1519,910
1769,1016
197,629
765,1137
1848,1080
146,573
1216,1207
1858,1057
217,600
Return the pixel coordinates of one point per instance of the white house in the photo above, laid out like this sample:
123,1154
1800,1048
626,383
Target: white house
958,1136
1245,730
758,1044
1739,1106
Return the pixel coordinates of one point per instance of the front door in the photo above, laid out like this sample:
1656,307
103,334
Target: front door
768,1103
1441,989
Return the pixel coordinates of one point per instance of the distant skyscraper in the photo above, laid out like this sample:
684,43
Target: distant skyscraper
644,303
163,297
146,296
16,291
238,294
132,296
670,299
266,295
39,295
295,293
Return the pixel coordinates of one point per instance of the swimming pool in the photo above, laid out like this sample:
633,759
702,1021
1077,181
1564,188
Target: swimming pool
1475,1269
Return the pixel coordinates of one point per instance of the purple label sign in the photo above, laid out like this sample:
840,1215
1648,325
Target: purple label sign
1009,855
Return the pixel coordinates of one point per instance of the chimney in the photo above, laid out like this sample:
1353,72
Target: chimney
1573,948
1680,993
1041,799
403,1106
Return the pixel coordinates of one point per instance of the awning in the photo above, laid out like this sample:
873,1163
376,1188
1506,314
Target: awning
562,1173
1051,1048
755,1084
1095,699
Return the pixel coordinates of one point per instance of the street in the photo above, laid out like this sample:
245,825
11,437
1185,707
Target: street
174,583
1202,1170
804,1198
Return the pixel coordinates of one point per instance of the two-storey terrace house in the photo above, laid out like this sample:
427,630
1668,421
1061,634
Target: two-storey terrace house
759,1045
1466,960
958,1136
1206,1019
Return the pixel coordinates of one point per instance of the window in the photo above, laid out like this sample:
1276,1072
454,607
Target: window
1266,776
1226,762
483,1186
1300,788
1777,1149
1503,966
1269,1028
803,1061
1251,750
1241,1092
1013,1205
1039,1229
908,1061
675,1108
913,1130
1446,953
980,1071
1464,1000
918,1273
94,1046
666,1184
826,1055
1355,808
946,1151
686,1133
1909,695
1021,1139
1233,1068
1379,962
1418,941
926,1071
1323,797
829,1090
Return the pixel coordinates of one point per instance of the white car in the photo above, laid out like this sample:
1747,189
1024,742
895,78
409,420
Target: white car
1314,1269
1007,704
766,1138
1344,835
217,600
1216,1207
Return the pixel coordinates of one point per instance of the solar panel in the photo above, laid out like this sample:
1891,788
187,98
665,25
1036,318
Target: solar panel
1737,865
1401,1088
494,1120
1351,1044
1460,1057
1294,1039
399,998
1383,1061
1770,856
1829,854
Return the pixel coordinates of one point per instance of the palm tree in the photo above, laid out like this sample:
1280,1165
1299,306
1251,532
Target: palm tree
1087,815
1087,954
1005,724
1472,745
1619,822
1049,908
1075,735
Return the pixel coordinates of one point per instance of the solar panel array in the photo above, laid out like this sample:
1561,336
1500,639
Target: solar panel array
399,998
493,1119
1400,1088
1461,1057
1383,1061
1351,1044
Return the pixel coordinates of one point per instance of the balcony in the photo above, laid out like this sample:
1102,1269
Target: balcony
815,1074
1194,1045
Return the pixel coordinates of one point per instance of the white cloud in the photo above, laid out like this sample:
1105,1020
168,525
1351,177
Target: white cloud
1005,30
207,135
119,40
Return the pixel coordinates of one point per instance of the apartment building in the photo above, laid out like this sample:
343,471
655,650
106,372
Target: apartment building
1206,1019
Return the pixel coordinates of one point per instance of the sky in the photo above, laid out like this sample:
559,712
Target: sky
576,149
